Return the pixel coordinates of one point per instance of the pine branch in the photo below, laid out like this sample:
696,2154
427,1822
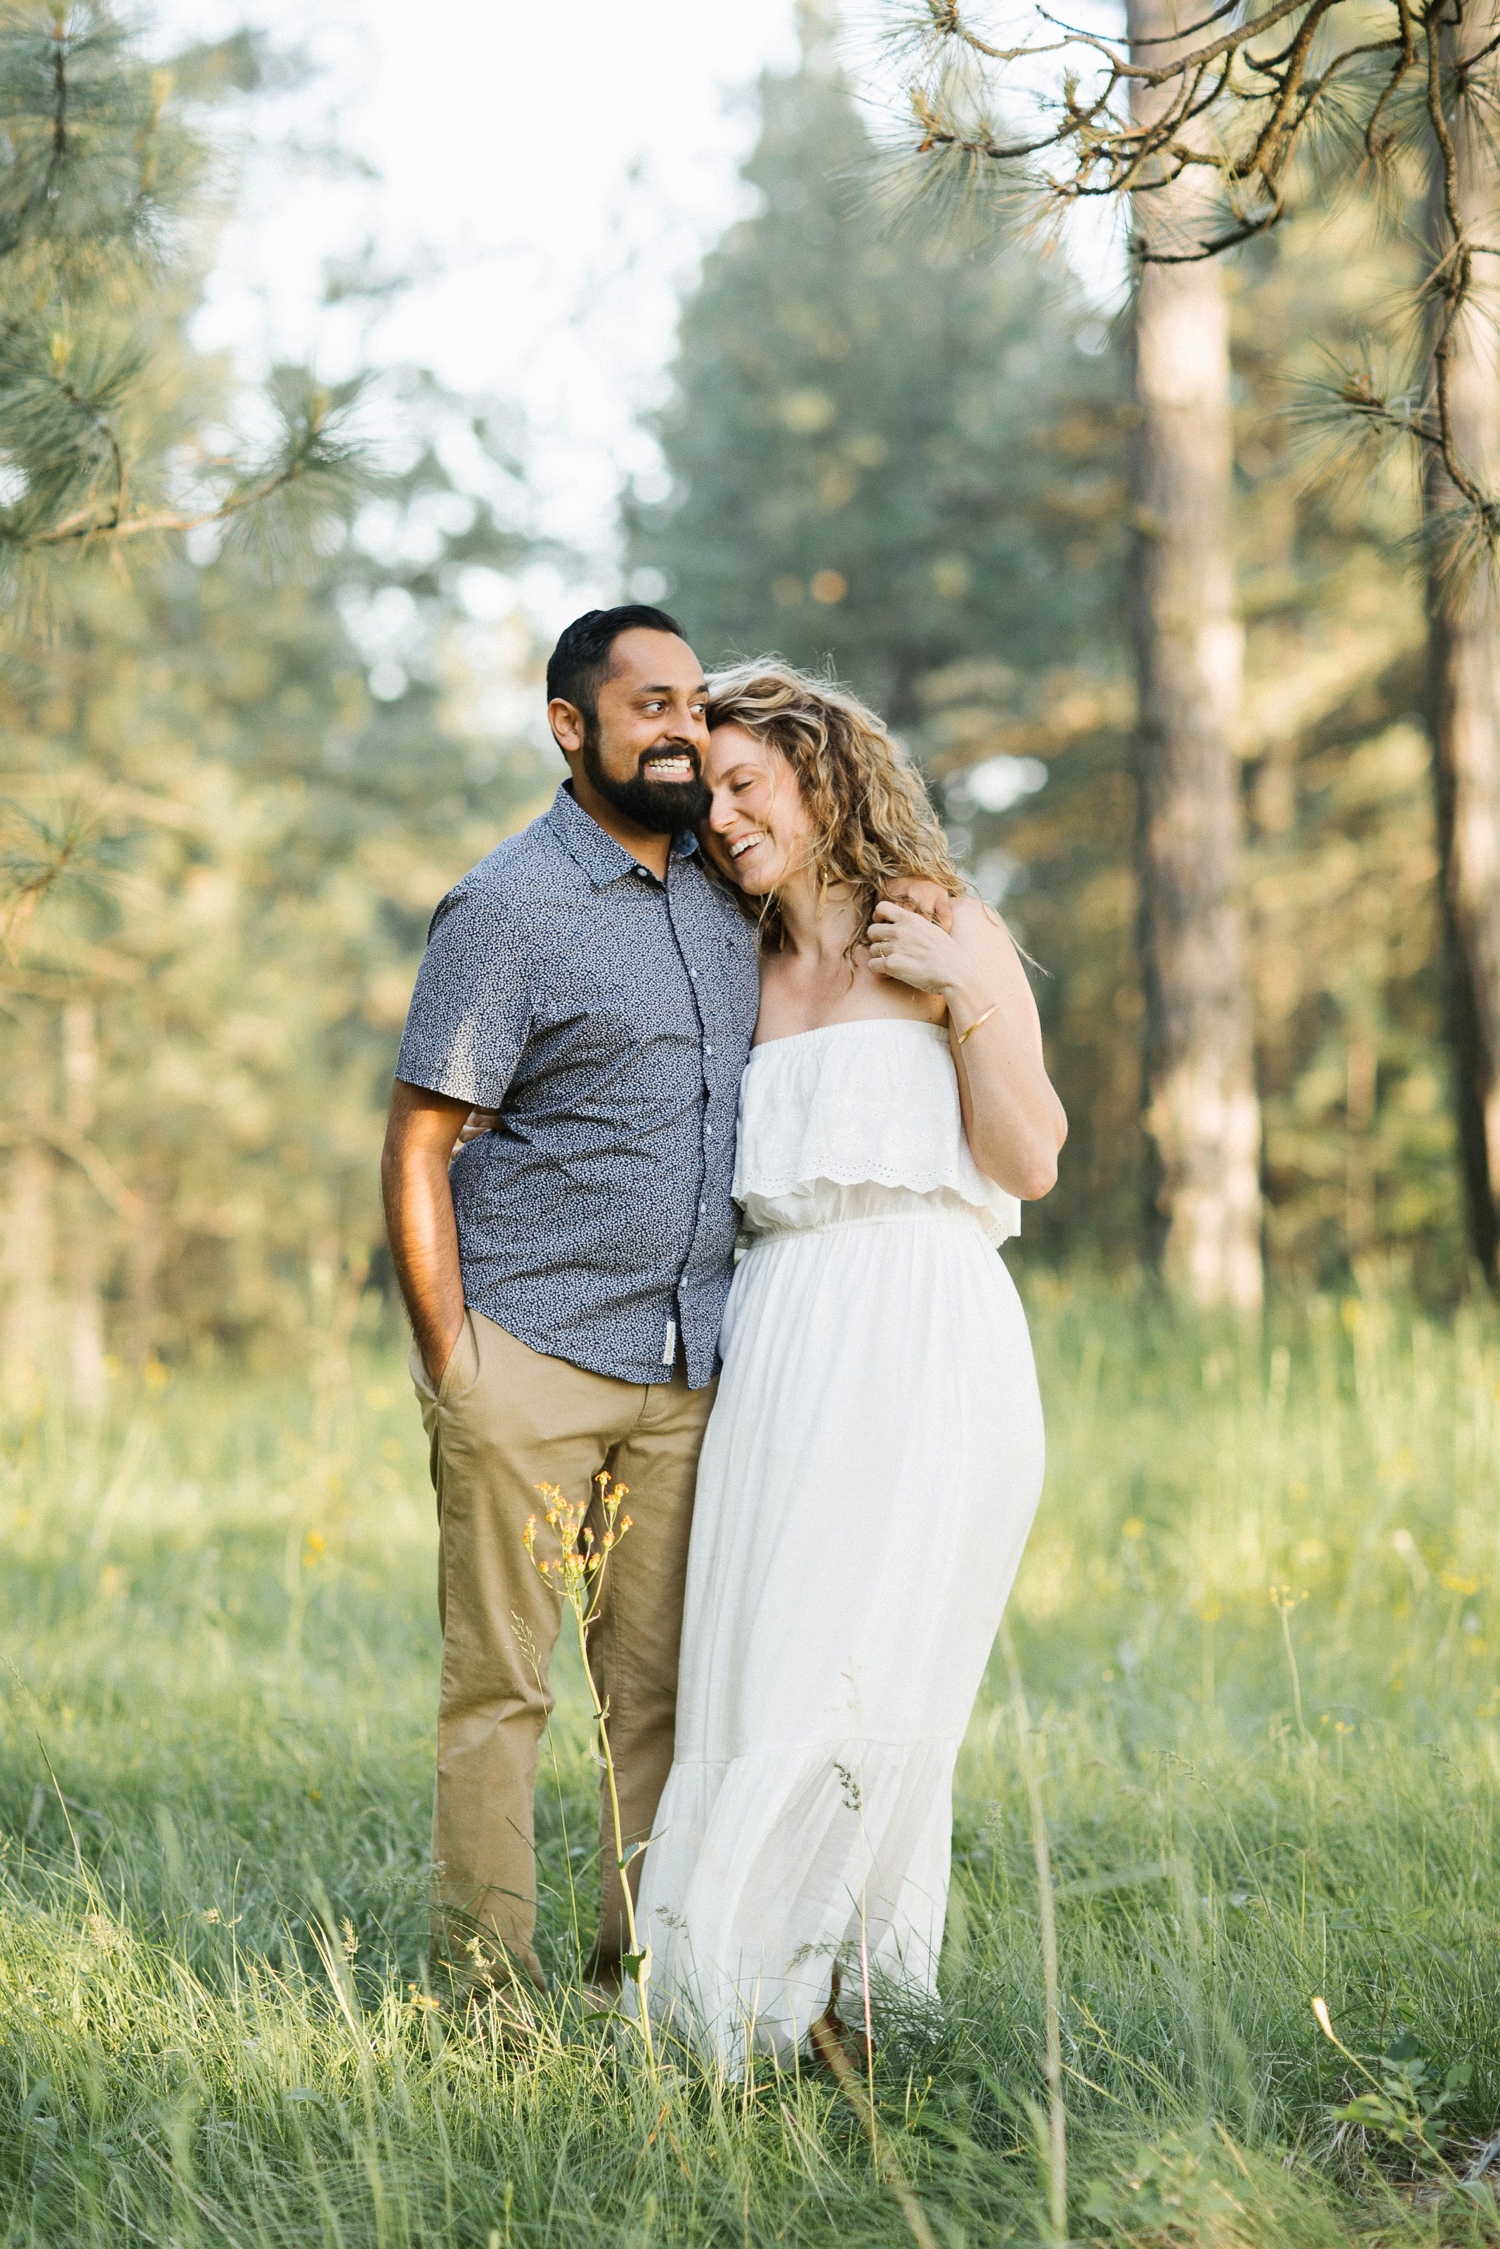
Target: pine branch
41,858
316,452
1242,110
101,183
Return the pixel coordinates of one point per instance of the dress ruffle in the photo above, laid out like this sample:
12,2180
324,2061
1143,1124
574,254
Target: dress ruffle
843,1108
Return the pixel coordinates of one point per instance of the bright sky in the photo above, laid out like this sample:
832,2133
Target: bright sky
550,172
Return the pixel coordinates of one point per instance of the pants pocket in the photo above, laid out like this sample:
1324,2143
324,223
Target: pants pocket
462,1370
421,1381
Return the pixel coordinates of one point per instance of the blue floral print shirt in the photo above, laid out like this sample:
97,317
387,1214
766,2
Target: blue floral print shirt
607,1016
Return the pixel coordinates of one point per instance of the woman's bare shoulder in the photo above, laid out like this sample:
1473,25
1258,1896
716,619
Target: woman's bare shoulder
976,923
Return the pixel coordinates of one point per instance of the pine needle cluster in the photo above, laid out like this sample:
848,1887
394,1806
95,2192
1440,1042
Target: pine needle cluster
106,188
1265,107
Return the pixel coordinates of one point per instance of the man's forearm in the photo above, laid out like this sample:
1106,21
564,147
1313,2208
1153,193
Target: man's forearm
423,1235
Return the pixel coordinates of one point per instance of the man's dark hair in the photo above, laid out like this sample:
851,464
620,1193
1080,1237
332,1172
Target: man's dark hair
579,664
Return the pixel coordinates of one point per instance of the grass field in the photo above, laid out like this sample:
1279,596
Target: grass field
1258,1630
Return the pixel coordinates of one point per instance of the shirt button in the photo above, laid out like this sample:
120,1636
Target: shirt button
708,1050
701,1208
693,973
708,1132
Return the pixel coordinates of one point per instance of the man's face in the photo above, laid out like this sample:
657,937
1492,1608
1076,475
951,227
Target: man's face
643,751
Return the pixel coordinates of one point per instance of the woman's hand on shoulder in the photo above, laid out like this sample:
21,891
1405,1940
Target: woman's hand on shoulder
948,957
919,896
915,951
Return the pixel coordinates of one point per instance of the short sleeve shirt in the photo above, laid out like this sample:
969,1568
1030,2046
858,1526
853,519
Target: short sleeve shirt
607,1016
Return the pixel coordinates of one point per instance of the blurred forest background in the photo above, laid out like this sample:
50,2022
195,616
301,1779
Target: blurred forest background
233,797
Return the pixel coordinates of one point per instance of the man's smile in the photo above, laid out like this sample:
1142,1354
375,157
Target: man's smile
670,765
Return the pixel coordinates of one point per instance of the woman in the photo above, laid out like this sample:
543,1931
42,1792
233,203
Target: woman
874,1456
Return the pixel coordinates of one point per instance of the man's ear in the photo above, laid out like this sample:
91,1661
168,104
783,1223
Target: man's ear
566,722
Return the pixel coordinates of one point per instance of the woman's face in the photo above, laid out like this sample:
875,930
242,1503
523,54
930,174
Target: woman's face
757,830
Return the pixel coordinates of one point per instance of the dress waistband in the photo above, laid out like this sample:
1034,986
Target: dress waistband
749,1241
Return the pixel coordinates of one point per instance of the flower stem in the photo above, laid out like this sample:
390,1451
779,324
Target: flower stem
640,1962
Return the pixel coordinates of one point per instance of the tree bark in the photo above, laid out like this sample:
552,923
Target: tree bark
1463,685
143,1260
26,1253
86,1244
1200,1110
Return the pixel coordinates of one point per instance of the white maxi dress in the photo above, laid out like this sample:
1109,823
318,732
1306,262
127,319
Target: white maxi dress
868,1478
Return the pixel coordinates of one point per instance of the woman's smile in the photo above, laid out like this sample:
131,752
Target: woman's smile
757,827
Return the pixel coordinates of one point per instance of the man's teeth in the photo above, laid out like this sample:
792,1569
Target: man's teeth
669,765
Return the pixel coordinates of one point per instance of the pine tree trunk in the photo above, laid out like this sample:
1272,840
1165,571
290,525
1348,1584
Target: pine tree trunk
1463,675
143,1259
26,1252
86,1243
1201,1114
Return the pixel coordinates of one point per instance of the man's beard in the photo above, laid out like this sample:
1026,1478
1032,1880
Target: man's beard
662,808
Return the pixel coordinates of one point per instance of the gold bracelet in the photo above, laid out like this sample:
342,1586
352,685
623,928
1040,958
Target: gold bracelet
973,1027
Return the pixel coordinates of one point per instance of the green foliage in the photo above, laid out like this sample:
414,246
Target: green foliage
1340,846
255,845
980,544
1405,2102
219,1604
229,802
1287,109
237,771
96,171
880,451
1340,839
230,794
105,191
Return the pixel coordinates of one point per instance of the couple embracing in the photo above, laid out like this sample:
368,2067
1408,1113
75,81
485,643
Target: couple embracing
763,1091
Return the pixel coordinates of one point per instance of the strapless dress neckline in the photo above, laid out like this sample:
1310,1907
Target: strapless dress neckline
855,1023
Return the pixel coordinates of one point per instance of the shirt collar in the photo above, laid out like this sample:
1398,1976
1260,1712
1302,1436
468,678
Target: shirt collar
601,858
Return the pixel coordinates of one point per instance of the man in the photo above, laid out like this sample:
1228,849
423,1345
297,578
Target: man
565,1280
565,1284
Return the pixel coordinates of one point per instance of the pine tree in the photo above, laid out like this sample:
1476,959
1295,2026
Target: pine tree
104,190
880,452
1251,113
1344,938
1200,1113
1463,662
198,1035
230,806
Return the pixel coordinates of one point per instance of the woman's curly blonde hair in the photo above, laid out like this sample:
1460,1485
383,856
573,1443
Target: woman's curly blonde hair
872,820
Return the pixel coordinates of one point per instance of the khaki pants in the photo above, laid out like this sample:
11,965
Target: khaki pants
505,1419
